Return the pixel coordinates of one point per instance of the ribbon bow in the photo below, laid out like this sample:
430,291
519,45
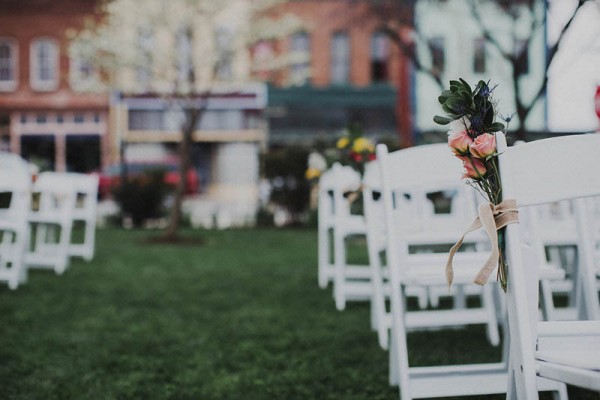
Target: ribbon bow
492,217
353,195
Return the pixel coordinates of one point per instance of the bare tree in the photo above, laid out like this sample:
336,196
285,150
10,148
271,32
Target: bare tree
183,51
532,13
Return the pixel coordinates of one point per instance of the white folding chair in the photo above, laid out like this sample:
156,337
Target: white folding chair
51,222
86,188
555,232
374,217
336,225
381,319
15,186
535,173
432,167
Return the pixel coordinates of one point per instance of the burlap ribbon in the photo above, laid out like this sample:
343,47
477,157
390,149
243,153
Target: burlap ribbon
355,194
491,218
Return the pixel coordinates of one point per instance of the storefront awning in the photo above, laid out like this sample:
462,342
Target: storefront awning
374,96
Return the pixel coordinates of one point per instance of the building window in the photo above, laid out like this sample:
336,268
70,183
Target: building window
522,56
340,58
146,120
300,58
184,56
146,47
479,56
23,119
438,54
79,118
222,120
380,54
41,118
44,64
59,118
8,64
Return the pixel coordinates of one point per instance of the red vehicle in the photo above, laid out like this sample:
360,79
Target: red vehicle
110,177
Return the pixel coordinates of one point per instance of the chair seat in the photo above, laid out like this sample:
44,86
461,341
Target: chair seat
588,358
581,377
429,268
571,343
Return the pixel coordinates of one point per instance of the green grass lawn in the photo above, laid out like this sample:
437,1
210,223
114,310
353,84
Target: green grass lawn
240,317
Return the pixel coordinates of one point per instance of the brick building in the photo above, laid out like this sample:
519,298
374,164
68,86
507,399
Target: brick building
343,69
43,115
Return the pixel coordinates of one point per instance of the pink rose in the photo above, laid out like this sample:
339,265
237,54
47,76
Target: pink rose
484,145
474,168
459,142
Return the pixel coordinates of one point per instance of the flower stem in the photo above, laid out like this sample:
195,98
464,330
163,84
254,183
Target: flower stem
502,266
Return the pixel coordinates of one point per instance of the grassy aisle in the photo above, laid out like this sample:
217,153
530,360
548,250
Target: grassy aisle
238,318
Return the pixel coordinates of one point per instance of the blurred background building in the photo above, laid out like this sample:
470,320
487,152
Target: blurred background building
43,116
379,65
344,71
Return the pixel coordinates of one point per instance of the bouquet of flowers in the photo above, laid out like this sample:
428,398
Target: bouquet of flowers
472,114
355,149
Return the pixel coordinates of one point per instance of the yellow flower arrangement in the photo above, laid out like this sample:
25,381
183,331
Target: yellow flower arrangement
362,144
312,173
343,142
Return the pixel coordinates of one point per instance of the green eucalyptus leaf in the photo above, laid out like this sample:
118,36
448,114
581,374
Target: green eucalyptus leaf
456,104
446,94
447,109
496,126
466,86
442,120
455,83
465,96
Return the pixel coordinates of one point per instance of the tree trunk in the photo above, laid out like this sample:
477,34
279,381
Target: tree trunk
192,115
521,110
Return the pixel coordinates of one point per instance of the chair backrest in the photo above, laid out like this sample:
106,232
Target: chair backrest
57,194
540,172
373,205
86,186
15,193
426,190
15,184
333,184
13,162
551,170
340,177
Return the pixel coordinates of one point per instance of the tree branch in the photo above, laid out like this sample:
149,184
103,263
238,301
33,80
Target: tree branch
487,34
552,51
409,52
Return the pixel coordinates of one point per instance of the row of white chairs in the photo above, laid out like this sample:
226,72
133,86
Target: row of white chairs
37,219
399,218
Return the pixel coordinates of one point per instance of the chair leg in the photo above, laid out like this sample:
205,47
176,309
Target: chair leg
561,393
64,240
511,393
339,273
394,364
89,240
487,302
323,250
547,301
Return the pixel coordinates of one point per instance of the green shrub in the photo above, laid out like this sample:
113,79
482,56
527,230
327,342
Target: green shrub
143,196
285,169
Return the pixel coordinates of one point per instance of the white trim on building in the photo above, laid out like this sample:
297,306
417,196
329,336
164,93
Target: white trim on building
44,64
